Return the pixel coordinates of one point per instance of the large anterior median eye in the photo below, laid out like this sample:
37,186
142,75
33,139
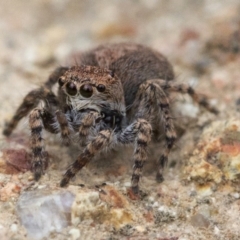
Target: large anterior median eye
86,90
71,88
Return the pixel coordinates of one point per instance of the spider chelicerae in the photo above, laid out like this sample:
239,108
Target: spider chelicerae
116,94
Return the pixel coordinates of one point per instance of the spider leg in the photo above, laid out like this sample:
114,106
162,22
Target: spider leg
87,122
61,118
186,89
101,141
40,156
152,104
39,119
33,98
55,75
30,102
64,127
138,132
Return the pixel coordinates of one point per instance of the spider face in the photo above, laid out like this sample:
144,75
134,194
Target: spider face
88,87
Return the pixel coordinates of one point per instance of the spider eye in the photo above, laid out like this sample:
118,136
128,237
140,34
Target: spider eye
112,73
101,88
71,88
60,82
86,90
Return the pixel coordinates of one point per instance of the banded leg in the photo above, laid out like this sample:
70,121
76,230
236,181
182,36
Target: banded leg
184,88
64,127
40,156
88,121
101,141
39,119
151,99
30,102
138,132
33,98
53,78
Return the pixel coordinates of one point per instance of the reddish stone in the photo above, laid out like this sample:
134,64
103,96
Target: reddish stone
18,159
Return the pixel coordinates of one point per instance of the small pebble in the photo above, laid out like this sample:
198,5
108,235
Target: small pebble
235,195
14,227
75,233
30,178
162,209
20,176
140,229
127,184
216,230
151,199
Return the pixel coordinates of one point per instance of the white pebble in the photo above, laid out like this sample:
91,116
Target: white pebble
75,233
42,212
140,229
151,199
216,230
14,227
162,209
236,195
127,184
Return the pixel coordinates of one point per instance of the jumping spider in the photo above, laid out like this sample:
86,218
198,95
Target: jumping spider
116,94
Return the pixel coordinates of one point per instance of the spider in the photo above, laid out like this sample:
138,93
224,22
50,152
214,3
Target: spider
115,94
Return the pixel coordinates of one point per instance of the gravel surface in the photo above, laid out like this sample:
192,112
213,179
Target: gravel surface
200,197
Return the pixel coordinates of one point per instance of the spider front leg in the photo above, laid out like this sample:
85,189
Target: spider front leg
101,141
39,155
138,132
38,120
64,127
88,121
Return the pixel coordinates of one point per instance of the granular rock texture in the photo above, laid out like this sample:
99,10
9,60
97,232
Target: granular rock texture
200,197
216,158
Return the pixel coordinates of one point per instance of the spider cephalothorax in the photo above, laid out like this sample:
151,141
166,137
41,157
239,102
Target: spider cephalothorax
91,87
117,94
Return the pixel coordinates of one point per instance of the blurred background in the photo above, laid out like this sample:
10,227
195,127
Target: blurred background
200,38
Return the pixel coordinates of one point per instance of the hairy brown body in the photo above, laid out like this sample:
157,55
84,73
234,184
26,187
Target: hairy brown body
132,63
116,94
